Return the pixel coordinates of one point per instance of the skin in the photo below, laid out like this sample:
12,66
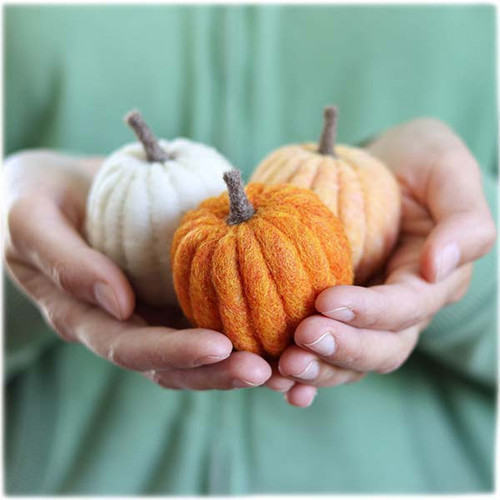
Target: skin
86,298
446,225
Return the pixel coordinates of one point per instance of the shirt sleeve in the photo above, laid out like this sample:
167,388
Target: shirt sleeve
463,336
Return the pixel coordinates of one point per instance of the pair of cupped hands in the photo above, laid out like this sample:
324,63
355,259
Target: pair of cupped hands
86,298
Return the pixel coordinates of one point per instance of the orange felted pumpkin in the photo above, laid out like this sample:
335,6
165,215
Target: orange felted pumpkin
251,264
354,185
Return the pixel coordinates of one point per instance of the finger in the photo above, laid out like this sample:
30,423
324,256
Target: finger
301,395
404,300
304,366
239,370
277,382
128,344
455,241
350,348
464,229
92,163
52,244
158,348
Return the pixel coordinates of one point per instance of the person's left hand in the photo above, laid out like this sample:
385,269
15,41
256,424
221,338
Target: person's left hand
446,225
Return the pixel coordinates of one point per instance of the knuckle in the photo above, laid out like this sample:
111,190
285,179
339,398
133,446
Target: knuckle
335,376
157,378
420,303
59,321
405,323
372,315
372,319
355,354
153,376
333,379
62,274
114,353
377,311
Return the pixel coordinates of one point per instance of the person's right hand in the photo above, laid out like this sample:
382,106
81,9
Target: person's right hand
86,298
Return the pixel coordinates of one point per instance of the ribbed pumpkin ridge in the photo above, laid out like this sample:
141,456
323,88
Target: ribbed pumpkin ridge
355,186
257,280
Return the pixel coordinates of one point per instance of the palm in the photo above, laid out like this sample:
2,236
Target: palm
416,225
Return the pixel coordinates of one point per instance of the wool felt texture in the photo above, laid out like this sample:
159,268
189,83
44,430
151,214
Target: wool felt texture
240,208
329,134
145,135
354,185
135,205
256,280
75,424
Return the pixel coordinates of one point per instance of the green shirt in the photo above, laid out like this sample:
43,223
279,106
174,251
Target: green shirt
248,79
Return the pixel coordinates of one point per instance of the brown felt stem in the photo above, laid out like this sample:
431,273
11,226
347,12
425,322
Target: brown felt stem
153,150
240,208
329,134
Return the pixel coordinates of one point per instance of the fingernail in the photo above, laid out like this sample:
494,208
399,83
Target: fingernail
312,399
285,396
106,298
447,261
208,360
325,345
244,383
310,372
341,314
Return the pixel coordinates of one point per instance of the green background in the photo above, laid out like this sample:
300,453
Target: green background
247,79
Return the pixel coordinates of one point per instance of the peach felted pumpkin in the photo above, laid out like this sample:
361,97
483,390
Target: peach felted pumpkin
138,198
251,264
354,185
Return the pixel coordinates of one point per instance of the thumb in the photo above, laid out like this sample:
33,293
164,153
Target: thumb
455,241
464,229
42,235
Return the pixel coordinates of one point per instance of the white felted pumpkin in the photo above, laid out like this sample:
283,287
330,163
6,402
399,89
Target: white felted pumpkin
137,199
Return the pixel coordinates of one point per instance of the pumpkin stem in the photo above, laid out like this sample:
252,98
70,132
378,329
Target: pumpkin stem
240,208
328,136
153,150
